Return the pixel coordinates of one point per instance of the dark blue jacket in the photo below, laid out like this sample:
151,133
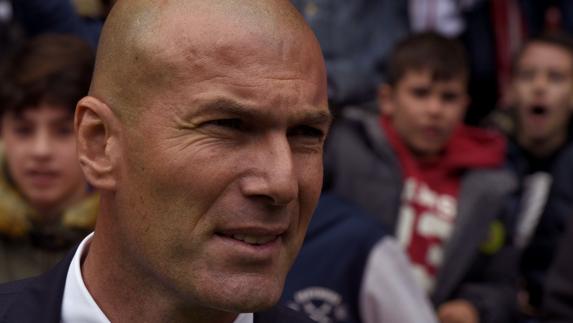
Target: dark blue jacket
540,252
558,296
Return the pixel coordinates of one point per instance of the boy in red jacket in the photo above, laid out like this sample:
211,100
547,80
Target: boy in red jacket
437,183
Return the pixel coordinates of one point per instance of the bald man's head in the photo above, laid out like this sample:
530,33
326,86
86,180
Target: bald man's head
149,45
204,133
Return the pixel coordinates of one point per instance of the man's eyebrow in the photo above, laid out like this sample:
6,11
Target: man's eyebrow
230,107
317,117
226,106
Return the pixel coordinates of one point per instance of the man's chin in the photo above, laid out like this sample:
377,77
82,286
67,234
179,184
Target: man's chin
252,297
251,306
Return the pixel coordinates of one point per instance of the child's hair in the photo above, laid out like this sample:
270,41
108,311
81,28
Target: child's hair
443,57
50,69
557,39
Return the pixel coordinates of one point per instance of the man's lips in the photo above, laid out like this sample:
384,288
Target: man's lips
252,236
254,239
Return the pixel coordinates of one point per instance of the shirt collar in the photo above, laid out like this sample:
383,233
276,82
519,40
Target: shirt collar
78,304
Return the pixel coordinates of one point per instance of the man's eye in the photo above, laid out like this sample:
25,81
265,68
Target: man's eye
307,132
232,123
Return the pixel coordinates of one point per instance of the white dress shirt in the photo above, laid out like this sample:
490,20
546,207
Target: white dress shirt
78,305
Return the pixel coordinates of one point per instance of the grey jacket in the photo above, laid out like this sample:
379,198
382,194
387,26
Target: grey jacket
362,167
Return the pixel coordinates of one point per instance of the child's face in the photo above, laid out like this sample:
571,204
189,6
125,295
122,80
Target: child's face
543,91
40,152
425,112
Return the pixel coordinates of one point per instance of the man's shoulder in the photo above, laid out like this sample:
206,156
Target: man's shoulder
21,301
281,314
35,299
9,292
15,290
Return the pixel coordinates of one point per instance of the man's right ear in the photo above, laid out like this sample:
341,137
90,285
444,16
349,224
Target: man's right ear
385,101
96,134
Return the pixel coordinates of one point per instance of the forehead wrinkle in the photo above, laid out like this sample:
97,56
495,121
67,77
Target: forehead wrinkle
231,108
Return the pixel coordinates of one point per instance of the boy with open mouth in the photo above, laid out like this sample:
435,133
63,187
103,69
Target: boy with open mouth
540,154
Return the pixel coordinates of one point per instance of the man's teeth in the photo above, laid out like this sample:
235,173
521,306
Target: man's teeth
256,240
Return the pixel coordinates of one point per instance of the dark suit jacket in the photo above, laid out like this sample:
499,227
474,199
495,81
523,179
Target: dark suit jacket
39,299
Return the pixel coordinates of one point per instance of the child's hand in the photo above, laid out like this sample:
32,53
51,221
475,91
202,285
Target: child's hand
458,311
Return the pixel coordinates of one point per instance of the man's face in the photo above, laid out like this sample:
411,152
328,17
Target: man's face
40,152
543,91
221,172
425,112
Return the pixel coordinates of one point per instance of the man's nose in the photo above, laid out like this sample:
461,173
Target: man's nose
272,175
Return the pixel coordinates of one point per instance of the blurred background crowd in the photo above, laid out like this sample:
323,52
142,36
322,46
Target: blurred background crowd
448,184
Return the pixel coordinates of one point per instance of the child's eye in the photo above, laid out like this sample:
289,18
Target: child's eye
420,92
23,130
525,75
64,131
450,97
556,77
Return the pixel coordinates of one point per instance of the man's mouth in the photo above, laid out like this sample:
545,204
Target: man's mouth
252,239
251,245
